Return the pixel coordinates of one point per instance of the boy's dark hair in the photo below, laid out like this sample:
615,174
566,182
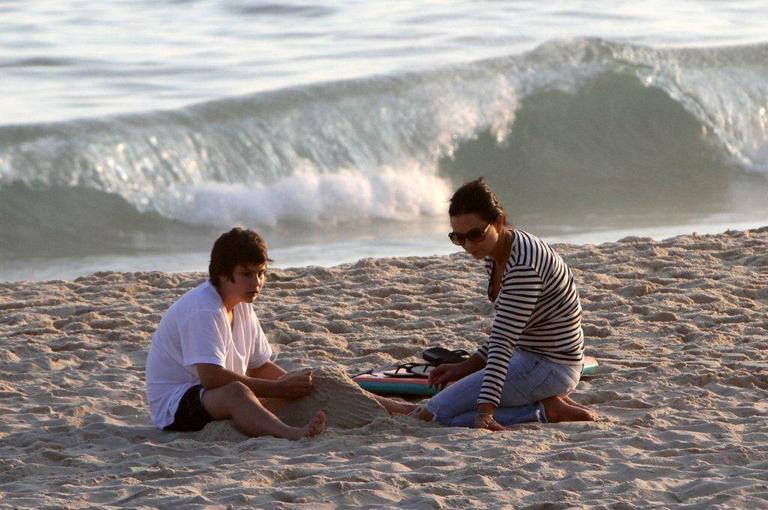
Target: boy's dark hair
478,198
238,246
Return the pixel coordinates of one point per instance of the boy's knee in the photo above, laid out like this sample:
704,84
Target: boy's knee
237,390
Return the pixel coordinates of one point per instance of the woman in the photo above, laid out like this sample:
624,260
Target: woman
535,352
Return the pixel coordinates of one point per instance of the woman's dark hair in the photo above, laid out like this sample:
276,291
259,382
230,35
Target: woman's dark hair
478,198
238,246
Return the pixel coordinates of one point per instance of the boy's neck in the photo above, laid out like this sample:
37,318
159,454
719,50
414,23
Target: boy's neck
230,302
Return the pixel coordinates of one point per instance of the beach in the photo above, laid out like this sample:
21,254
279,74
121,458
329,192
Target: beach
679,326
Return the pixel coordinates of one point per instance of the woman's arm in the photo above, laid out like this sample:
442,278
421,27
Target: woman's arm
517,299
449,372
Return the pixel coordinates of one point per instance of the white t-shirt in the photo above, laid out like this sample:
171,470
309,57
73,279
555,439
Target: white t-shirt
196,330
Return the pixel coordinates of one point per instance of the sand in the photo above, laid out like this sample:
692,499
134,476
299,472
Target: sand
680,328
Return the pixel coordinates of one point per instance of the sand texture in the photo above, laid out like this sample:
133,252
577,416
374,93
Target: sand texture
344,402
680,328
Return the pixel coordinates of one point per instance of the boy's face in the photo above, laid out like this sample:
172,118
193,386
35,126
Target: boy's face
245,285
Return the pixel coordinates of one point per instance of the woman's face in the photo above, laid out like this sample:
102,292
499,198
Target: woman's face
473,224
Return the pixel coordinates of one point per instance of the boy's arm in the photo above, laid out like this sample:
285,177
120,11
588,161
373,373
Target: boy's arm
266,371
215,376
291,385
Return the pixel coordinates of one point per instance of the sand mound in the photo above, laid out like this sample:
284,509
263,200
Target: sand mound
345,404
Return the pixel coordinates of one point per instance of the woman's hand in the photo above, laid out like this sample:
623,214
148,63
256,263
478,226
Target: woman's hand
445,373
485,419
449,372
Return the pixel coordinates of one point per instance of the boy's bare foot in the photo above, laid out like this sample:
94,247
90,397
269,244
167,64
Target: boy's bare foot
395,407
425,415
311,429
315,425
557,410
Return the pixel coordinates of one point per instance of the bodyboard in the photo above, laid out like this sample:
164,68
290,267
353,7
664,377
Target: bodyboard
590,366
382,384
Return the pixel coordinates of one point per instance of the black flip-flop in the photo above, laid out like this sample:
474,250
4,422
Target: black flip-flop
410,370
440,355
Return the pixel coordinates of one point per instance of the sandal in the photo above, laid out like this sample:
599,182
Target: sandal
440,355
410,370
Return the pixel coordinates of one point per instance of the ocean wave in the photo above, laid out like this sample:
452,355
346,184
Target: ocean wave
566,119
314,198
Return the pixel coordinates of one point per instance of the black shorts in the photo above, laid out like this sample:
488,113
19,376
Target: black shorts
191,415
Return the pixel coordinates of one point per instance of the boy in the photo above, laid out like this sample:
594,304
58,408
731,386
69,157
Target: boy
209,358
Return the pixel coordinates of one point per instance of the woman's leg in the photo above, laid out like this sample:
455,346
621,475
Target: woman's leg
533,378
503,415
530,393
454,400
456,406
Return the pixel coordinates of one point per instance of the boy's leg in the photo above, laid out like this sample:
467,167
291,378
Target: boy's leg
394,407
236,401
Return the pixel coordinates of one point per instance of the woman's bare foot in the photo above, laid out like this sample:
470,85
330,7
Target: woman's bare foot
569,400
557,410
311,429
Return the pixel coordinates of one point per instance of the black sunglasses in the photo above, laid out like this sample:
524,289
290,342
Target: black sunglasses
475,235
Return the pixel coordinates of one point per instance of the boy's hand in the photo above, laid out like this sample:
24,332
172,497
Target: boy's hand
294,384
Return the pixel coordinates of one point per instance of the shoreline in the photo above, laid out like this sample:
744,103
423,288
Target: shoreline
680,327
414,243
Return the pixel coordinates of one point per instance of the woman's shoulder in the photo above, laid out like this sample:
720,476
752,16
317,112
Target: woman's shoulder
525,241
527,248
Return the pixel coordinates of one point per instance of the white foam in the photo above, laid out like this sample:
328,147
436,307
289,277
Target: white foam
313,197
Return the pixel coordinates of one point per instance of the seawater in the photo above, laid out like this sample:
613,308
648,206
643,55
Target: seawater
132,133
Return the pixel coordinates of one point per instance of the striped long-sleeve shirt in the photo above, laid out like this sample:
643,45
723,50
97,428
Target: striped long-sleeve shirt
537,310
